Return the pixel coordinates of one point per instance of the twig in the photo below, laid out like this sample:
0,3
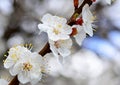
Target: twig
14,81
77,12
46,48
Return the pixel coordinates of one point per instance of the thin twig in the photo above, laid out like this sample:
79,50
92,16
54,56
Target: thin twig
77,12
14,81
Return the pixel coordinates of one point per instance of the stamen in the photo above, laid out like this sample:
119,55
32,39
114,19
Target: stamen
27,66
56,31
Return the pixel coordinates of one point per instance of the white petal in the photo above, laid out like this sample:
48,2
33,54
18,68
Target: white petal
59,20
64,52
86,14
35,74
23,77
43,27
88,28
67,29
54,50
47,18
61,60
35,81
15,69
65,43
80,37
8,63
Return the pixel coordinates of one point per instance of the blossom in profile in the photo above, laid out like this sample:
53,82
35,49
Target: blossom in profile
88,20
56,27
83,25
61,48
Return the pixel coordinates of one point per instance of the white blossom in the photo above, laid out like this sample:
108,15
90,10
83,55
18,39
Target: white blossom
27,65
84,26
14,54
55,27
61,48
28,68
88,19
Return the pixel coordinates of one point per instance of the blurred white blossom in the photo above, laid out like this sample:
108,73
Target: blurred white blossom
3,82
6,6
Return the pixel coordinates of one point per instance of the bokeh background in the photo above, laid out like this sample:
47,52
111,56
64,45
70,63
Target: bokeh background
96,62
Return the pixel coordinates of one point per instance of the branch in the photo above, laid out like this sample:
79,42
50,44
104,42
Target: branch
77,12
46,48
14,81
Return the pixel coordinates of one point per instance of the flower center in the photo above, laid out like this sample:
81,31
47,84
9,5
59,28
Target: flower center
27,66
56,31
59,25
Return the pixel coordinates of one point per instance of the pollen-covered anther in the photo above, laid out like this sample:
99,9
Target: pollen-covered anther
59,25
28,46
27,66
57,45
56,31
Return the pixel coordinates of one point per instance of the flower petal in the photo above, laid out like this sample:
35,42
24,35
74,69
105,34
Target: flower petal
23,77
46,19
86,14
64,52
80,37
88,28
43,27
8,63
15,69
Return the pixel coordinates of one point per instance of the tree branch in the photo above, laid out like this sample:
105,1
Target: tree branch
46,48
77,12
14,81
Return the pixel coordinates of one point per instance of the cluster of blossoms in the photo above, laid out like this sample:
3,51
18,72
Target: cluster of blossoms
27,65
59,33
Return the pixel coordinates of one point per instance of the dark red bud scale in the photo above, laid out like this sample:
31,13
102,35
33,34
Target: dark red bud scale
74,32
93,0
79,21
76,3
